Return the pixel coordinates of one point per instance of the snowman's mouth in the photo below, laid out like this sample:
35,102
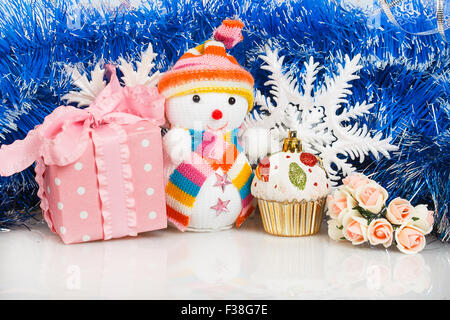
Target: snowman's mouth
217,129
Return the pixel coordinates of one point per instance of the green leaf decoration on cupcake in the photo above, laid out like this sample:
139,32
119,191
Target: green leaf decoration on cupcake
297,176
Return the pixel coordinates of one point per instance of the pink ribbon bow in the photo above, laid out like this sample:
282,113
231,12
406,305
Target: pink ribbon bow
64,135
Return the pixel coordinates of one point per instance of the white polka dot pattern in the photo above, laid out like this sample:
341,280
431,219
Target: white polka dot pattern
145,143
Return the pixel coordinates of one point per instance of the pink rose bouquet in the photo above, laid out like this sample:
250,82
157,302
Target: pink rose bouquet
359,213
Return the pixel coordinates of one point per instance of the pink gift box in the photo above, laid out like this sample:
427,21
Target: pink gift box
73,192
99,169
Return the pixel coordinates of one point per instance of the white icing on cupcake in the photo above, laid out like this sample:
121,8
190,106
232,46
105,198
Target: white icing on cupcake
288,177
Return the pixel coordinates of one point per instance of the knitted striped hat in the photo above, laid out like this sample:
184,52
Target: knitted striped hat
208,68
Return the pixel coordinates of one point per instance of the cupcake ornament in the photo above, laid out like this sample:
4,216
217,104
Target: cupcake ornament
291,187
208,94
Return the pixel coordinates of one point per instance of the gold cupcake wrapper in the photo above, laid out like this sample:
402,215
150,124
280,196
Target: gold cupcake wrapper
292,219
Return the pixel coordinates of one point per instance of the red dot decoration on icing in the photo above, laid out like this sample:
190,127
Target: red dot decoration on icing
276,186
309,170
315,184
308,159
327,185
287,157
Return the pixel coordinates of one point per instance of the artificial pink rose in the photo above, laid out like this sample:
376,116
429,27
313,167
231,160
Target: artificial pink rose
355,229
338,203
409,239
422,218
354,181
371,197
412,273
380,231
399,211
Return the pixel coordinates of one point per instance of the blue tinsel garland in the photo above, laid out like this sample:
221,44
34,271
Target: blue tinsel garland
406,76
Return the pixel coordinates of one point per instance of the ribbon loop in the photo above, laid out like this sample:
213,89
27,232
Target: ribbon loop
63,136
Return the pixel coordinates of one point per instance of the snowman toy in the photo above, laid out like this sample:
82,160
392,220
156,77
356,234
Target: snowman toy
208,95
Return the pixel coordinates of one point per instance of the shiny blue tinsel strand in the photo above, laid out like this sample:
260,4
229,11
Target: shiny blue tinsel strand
404,75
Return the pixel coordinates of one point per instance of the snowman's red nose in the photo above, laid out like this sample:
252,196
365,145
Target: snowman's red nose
217,114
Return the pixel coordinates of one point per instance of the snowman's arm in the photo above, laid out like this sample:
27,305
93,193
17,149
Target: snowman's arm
177,144
258,142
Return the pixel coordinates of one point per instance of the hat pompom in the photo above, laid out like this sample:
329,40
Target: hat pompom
229,33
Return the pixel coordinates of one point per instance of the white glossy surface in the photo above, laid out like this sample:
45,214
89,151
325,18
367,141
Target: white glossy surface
232,264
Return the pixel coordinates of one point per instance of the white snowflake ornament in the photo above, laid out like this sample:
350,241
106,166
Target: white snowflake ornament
313,114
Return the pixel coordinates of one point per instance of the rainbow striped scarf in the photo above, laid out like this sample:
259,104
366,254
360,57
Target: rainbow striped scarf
188,178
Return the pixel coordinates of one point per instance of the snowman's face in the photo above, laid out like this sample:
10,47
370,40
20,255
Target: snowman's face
207,111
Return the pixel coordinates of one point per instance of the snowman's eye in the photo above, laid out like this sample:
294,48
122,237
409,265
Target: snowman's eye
196,98
232,101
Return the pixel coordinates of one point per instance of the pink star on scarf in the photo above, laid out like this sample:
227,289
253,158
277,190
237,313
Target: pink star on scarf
221,206
222,181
